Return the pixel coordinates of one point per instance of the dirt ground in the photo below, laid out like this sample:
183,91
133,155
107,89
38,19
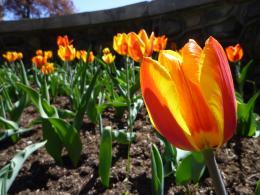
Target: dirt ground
239,161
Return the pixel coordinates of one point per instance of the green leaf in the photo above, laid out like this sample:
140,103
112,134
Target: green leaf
257,189
123,137
66,114
33,94
8,124
9,172
190,169
18,108
69,137
54,145
84,101
243,74
246,117
169,159
50,110
10,132
105,156
157,171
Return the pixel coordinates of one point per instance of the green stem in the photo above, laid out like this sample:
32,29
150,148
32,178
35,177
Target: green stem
237,73
130,122
214,172
46,90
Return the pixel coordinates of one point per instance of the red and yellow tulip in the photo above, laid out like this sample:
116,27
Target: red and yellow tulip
120,44
39,61
82,54
234,53
63,41
41,58
139,45
12,56
159,43
190,95
47,68
67,53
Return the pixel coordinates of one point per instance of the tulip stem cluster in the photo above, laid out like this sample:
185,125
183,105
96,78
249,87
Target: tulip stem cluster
214,172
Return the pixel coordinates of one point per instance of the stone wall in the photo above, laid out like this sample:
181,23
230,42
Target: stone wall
230,21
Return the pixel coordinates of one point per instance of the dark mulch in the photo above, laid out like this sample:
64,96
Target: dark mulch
239,161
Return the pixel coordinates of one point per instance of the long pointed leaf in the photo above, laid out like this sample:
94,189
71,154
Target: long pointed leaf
69,137
16,164
105,156
157,171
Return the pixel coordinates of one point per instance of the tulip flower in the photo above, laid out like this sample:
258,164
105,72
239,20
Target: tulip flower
12,56
63,41
39,61
91,57
108,58
39,52
47,69
106,50
190,95
234,53
67,53
48,54
159,43
81,54
140,46
120,44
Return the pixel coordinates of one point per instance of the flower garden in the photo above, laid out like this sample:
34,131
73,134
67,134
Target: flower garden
137,117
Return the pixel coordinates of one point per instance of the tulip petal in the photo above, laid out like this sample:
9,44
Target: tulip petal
164,103
136,47
191,66
193,105
217,86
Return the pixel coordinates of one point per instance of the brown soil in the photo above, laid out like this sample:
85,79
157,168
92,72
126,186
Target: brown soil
239,161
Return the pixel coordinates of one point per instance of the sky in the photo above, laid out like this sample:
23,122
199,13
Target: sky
93,5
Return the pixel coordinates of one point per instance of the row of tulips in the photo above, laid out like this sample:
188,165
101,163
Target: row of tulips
189,95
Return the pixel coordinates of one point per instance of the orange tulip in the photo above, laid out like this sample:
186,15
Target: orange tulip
12,56
91,57
159,43
39,61
234,53
140,45
67,53
63,41
190,95
39,52
120,44
82,54
47,69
